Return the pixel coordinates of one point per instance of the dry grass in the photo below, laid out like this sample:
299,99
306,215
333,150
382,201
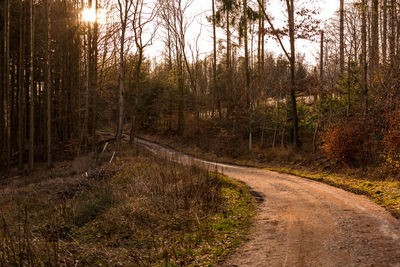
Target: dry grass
140,210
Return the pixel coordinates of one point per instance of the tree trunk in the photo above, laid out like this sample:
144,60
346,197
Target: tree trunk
181,90
384,33
137,87
290,9
121,87
285,124
262,38
48,86
397,32
276,122
321,80
94,78
364,55
21,100
85,134
228,63
341,37
31,92
7,88
247,71
392,36
375,36
124,12
214,98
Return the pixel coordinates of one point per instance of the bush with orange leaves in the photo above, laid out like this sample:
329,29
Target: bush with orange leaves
391,140
350,141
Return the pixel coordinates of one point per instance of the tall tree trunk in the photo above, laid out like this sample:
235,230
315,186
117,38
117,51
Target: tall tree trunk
261,63
88,77
48,86
247,71
321,80
290,9
31,91
384,33
181,91
397,32
341,37
214,97
228,63
375,36
392,37
260,34
321,62
93,80
137,87
2,94
124,12
285,124
7,88
364,55
121,87
21,100
262,38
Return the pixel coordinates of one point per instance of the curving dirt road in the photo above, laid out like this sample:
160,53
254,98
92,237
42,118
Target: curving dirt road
305,223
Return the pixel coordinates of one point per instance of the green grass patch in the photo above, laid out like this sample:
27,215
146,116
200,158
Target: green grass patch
227,229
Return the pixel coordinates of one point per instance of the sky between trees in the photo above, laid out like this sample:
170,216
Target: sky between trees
202,9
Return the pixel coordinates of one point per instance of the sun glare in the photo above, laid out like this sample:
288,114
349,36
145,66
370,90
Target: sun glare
89,15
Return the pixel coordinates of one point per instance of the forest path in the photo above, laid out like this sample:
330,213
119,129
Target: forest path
300,222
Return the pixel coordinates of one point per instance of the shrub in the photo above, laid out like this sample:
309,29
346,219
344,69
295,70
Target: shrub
350,141
391,140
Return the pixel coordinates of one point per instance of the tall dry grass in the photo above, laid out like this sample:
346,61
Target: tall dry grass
140,210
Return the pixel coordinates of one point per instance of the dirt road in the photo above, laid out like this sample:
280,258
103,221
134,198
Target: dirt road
306,223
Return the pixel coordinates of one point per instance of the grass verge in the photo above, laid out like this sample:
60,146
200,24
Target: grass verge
138,211
384,193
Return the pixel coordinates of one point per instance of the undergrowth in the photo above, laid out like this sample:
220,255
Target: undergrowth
138,211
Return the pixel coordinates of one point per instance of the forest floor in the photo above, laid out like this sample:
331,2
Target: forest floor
138,210
301,222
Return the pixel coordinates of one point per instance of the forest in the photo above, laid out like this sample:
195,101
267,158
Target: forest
71,68
98,96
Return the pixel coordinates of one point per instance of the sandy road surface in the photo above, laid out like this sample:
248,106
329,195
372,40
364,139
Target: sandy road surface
306,223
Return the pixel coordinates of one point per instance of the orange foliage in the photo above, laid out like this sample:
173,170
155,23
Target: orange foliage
391,140
349,141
